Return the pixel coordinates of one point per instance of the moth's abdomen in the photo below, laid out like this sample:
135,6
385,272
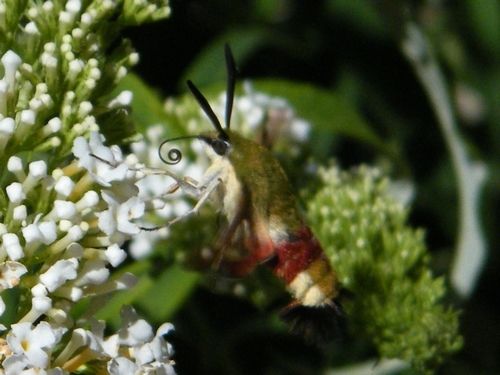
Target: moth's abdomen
313,314
307,273
315,286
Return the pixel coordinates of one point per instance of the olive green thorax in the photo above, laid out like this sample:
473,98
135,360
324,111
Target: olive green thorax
261,174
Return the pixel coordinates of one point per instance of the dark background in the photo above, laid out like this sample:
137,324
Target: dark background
351,48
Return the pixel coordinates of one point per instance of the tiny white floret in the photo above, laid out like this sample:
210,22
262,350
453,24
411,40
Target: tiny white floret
20,213
15,192
115,255
12,246
64,186
10,274
7,125
59,273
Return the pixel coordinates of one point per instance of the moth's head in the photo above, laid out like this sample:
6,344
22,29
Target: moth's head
219,140
217,146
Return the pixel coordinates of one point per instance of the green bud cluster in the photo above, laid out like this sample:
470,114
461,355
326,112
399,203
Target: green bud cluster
396,301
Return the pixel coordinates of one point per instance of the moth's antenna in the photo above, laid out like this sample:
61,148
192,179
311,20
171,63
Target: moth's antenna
207,109
231,82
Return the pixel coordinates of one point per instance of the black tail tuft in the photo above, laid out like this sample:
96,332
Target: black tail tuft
318,325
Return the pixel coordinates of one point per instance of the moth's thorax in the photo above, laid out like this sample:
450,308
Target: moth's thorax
229,192
249,170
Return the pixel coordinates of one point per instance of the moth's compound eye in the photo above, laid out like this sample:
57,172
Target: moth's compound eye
220,146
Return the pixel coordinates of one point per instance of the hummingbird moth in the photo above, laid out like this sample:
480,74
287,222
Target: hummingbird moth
262,218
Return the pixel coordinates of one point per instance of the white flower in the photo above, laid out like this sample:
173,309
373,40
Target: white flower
115,255
89,200
135,331
10,274
153,186
157,350
59,273
7,124
402,191
51,98
94,340
29,345
62,210
49,232
124,282
124,98
74,233
300,129
151,352
40,304
12,246
2,310
31,233
103,163
142,244
11,62
64,186
93,272
128,211
109,346
15,165
20,213
122,366
119,217
45,232
15,192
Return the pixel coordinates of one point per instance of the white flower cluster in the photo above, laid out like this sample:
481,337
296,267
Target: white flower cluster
255,110
63,226
135,349
91,209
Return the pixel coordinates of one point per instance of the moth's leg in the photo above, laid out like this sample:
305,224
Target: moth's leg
209,182
190,185
187,184
206,191
201,190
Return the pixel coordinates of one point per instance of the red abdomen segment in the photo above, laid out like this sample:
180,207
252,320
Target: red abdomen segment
303,266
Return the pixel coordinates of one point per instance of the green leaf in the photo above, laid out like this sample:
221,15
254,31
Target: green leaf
360,14
168,293
328,112
110,310
147,105
209,66
11,298
158,297
484,19
116,124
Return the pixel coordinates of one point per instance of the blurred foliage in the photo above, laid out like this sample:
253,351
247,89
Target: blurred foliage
339,63
396,301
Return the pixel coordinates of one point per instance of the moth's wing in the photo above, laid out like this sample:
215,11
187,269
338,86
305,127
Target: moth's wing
233,234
